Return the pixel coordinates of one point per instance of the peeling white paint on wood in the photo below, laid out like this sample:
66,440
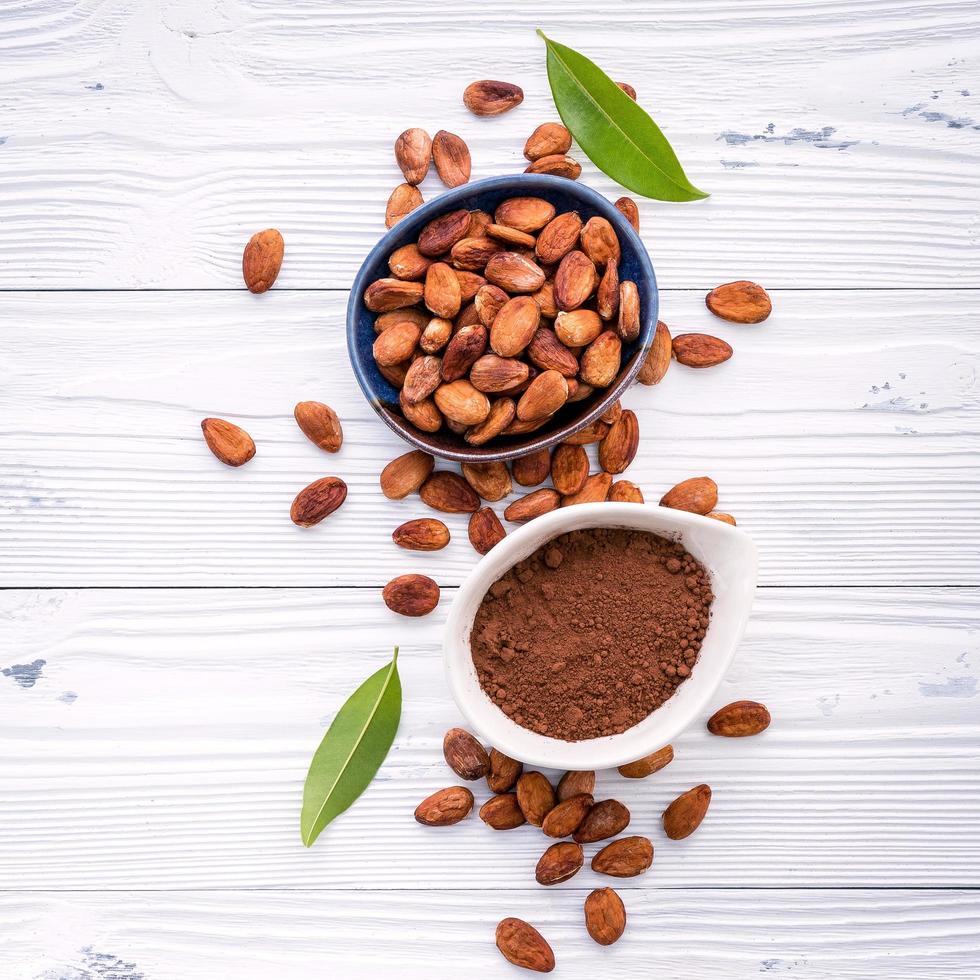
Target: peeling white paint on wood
183,756
702,934
145,142
843,435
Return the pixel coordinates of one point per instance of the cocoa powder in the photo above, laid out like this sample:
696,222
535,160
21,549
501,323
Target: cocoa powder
592,632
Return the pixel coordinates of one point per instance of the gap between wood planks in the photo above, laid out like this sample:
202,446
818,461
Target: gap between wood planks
342,289
619,883
379,585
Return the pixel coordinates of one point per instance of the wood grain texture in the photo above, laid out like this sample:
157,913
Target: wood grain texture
843,435
143,143
162,736
703,934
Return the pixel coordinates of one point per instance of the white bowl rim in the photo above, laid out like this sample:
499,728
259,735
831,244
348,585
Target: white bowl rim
613,750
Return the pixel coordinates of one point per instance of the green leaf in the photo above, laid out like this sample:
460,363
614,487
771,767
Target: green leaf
615,133
352,750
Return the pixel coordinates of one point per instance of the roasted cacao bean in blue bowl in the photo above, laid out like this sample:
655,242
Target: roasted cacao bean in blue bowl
487,195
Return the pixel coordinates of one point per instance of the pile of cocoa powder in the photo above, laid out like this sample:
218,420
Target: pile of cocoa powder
592,632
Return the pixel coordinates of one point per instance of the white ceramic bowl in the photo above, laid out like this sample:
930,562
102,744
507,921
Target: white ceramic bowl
727,553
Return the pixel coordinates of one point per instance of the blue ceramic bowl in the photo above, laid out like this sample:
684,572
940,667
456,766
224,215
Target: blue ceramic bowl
485,195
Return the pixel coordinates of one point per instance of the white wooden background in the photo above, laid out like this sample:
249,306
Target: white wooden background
172,647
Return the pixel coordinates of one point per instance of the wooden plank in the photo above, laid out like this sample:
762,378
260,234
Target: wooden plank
163,737
143,143
701,934
843,435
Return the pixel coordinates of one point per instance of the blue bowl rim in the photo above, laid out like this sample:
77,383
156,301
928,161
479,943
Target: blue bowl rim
513,185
